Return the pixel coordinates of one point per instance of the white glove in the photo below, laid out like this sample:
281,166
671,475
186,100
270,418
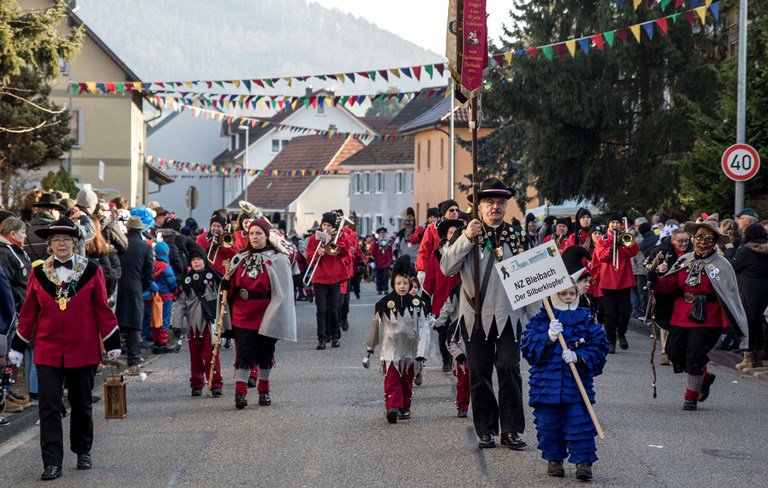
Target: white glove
555,328
570,356
367,361
15,357
114,354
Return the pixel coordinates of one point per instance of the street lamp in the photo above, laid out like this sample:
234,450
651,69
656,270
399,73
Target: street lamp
245,159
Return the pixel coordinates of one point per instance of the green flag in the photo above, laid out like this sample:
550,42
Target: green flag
609,37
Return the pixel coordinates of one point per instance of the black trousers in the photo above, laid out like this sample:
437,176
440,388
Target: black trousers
344,305
503,353
354,283
756,334
382,280
618,308
688,347
50,390
327,301
252,348
442,337
133,346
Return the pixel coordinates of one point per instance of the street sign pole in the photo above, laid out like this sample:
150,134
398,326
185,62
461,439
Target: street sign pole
741,97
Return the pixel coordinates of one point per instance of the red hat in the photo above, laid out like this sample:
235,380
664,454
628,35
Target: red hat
262,223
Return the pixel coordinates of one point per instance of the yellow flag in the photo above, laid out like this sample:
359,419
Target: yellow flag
571,45
637,3
289,80
189,84
395,72
508,57
635,31
236,83
707,3
702,11
136,85
341,77
91,85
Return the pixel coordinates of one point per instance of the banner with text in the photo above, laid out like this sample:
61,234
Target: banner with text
533,275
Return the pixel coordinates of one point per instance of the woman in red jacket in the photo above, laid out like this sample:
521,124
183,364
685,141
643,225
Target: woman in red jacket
260,284
67,310
438,286
330,271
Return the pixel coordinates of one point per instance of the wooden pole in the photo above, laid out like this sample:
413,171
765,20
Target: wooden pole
576,375
219,326
475,204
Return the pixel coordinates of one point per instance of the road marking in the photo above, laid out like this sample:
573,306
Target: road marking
19,439
197,451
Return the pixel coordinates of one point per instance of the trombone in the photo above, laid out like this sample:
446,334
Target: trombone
332,249
625,238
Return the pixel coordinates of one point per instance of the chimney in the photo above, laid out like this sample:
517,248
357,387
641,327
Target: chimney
308,91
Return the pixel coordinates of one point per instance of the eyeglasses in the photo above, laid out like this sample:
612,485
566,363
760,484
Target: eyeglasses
683,241
703,238
61,240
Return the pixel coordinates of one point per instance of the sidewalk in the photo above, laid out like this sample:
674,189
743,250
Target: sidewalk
724,358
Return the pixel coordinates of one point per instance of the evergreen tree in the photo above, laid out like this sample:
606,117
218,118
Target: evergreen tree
605,126
61,180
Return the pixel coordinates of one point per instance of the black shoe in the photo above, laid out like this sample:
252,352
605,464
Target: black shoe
240,401
51,473
196,392
392,415
513,441
160,349
264,400
623,343
84,461
335,343
228,344
447,367
612,348
321,345
419,378
97,398
704,394
404,414
689,405
344,326
462,414
216,392
252,382
486,441
584,471
556,469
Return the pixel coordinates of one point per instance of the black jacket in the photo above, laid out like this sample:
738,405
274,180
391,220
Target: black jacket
665,303
137,264
113,235
17,267
36,246
751,266
647,243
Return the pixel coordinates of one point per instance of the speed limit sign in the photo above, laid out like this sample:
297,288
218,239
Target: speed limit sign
740,162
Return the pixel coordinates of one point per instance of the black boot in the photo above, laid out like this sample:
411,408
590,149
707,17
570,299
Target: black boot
392,415
689,405
486,441
584,471
612,347
240,401
623,343
556,469
335,343
320,345
264,400
404,414
84,461
513,441
705,386
158,348
196,392
51,473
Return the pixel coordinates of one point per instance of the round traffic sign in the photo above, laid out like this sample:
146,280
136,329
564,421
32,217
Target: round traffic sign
740,162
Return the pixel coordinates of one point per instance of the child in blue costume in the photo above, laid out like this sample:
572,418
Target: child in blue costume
563,425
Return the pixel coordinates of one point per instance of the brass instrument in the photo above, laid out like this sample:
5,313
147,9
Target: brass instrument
227,240
332,249
246,208
625,238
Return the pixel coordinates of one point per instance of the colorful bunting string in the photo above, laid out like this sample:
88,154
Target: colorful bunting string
256,122
418,73
601,39
220,170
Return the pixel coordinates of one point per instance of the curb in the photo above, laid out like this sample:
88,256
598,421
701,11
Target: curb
723,358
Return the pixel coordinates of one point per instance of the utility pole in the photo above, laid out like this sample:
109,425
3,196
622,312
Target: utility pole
741,97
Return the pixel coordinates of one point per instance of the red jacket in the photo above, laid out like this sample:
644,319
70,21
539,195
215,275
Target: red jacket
429,243
582,235
349,259
69,338
676,282
563,243
331,269
594,282
241,241
610,279
248,313
205,241
437,285
418,234
382,257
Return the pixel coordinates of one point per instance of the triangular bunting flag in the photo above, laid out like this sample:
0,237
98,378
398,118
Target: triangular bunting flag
689,16
678,3
395,72
547,51
440,67
584,43
341,77
351,77
598,40
623,35
430,69
715,9
693,4
571,45
636,3
508,57
662,23
609,37
559,49
532,52
406,72
499,59
648,27
635,31
384,74
664,4
417,72
702,11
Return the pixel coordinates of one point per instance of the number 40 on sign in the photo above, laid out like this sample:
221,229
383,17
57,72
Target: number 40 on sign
740,162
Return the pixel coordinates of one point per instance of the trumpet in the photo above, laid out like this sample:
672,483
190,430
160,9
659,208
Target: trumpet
625,238
227,240
332,249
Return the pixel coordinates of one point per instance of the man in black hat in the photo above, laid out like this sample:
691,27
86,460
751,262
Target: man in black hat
45,212
491,341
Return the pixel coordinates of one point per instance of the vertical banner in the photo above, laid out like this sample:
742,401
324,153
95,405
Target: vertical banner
454,39
474,58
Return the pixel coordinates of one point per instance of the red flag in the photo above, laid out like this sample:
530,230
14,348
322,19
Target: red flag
532,51
440,67
499,59
662,23
689,16
623,33
678,3
417,72
475,50
560,49
384,74
598,40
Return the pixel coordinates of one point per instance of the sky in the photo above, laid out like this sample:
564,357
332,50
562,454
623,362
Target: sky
416,20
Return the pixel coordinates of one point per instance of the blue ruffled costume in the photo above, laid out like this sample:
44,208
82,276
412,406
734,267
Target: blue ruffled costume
562,422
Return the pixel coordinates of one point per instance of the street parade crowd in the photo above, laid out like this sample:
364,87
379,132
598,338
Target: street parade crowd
86,281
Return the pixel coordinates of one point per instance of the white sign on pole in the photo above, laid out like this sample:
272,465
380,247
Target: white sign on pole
533,275
101,170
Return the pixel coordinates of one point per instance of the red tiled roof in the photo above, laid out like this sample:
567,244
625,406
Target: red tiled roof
304,152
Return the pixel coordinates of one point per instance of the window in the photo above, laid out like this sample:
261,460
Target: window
232,142
371,185
442,152
76,127
275,146
411,182
364,183
379,221
379,182
429,154
418,157
356,183
321,107
399,182
64,67
365,225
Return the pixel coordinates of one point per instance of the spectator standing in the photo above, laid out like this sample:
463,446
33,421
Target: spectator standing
751,266
45,212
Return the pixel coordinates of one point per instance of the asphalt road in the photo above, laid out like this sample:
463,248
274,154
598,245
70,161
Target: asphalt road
326,427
